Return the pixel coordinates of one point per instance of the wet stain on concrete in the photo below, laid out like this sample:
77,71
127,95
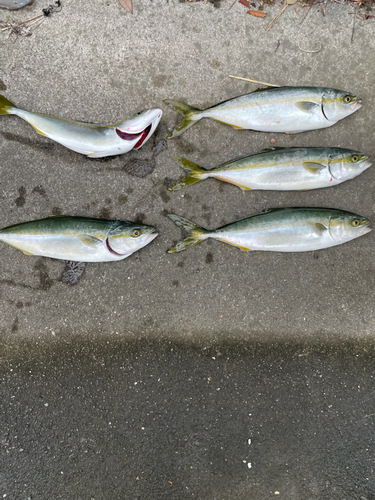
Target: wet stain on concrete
181,263
183,146
209,258
159,147
122,199
41,191
168,182
105,213
56,211
175,283
164,196
2,85
21,200
15,325
140,217
45,281
46,147
139,168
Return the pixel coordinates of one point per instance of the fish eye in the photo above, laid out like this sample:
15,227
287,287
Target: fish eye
136,233
347,99
355,222
354,158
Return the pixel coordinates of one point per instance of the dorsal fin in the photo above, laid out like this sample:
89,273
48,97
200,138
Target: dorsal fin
260,89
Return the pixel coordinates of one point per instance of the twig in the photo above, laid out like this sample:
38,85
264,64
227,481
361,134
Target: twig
307,13
254,81
298,14
355,17
304,50
24,22
232,4
277,46
276,17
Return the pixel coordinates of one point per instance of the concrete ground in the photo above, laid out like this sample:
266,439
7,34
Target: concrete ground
287,338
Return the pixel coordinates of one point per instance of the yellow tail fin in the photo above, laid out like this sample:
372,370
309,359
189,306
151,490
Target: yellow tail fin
191,115
5,106
195,173
195,233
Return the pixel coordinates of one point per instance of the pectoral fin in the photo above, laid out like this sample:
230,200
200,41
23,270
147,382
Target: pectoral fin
320,228
90,241
307,106
312,167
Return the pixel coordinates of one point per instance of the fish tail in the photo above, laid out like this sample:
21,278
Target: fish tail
195,173
191,115
6,106
195,235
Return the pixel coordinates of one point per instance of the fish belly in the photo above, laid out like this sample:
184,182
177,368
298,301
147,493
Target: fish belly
64,248
286,239
269,118
94,141
278,178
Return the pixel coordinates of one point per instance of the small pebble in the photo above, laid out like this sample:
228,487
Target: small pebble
273,141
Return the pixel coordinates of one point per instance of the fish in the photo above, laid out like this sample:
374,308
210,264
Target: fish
94,141
281,169
78,239
13,4
283,109
280,230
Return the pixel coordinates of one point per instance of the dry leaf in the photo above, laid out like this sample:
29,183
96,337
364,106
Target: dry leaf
291,2
256,13
127,4
245,3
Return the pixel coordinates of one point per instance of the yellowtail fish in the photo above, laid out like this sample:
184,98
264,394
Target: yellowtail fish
280,230
95,141
78,239
283,109
282,169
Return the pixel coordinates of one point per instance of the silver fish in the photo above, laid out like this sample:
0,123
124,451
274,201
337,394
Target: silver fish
280,230
282,169
95,141
78,239
283,109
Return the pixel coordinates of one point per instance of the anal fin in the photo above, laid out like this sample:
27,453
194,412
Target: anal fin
18,248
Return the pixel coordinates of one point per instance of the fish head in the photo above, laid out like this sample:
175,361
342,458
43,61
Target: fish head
346,226
337,104
346,164
137,129
126,238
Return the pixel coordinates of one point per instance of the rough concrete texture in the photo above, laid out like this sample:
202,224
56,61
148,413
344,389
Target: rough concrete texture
78,348
96,63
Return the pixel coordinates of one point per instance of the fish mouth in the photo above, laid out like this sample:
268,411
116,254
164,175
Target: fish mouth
365,228
152,235
356,105
131,137
143,135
